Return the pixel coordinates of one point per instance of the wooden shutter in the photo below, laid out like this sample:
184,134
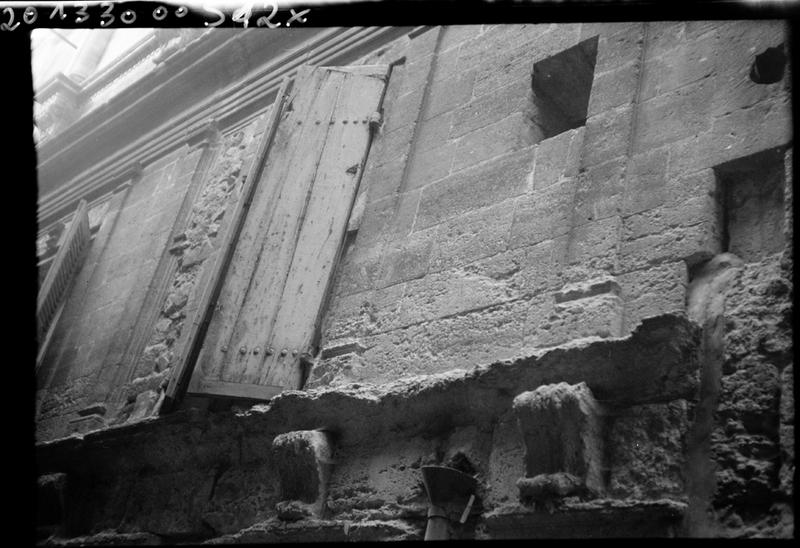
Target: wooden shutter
269,302
65,264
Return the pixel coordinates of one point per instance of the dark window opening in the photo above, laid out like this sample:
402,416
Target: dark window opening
751,190
561,87
768,66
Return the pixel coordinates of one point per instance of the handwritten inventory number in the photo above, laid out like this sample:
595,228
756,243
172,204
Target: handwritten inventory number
241,15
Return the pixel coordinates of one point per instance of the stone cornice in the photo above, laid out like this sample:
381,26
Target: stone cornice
59,84
136,53
230,73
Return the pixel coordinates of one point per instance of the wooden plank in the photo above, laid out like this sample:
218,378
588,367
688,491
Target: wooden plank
193,336
211,359
67,261
44,345
279,188
324,227
279,240
291,236
210,387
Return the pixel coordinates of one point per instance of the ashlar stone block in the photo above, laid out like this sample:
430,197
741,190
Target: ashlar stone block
561,426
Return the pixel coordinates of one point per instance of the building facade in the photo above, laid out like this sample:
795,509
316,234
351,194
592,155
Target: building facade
484,281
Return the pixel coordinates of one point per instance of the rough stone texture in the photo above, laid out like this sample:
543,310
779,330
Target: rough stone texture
106,296
51,514
488,262
753,189
625,195
646,446
751,428
547,487
199,476
562,429
191,247
304,462
576,519
109,538
593,316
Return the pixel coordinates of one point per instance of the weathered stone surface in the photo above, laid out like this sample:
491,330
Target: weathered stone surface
513,133
234,448
304,460
647,446
108,538
694,244
429,164
786,432
193,246
279,531
145,401
752,190
561,426
645,182
408,259
543,215
488,109
592,519
549,487
687,62
51,512
449,93
293,510
599,316
479,186
472,236
614,88
746,443
706,292
675,115
607,135
364,313
590,288
558,158
653,291
514,49
393,530
481,247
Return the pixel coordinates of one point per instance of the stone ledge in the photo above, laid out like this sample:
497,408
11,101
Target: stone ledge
314,530
596,518
107,538
656,363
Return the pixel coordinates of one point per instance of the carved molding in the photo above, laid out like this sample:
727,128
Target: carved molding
143,123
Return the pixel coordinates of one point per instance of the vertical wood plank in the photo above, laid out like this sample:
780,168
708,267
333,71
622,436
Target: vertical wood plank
291,237
324,226
66,263
278,189
194,333
279,241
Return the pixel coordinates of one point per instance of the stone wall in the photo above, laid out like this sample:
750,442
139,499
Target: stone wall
507,283
107,293
224,475
191,248
109,361
482,237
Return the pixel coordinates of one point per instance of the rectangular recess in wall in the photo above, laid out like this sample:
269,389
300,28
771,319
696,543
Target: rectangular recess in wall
561,87
751,190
